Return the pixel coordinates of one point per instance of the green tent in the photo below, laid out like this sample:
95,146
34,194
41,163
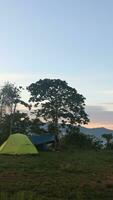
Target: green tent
18,144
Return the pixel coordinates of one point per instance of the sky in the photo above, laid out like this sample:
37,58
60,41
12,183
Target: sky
67,39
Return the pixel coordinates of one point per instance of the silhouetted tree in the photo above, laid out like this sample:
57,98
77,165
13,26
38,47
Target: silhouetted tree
57,100
21,124
36,126
108,137
9,99
75,139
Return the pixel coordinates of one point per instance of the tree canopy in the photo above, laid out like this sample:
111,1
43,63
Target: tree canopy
58,102
9,99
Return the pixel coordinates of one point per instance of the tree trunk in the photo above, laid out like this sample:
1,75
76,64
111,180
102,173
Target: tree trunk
11,124
57,141
1,111
12,117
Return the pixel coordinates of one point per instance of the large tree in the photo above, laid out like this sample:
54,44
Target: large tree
58,102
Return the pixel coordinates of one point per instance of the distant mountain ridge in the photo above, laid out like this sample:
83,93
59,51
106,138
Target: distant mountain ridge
97,132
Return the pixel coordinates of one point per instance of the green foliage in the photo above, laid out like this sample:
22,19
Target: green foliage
36,126
4,128
108,138
51,127
21,124
9,98
75,139
58,101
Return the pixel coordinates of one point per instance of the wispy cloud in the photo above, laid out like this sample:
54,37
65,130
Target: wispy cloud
106,92
15,77
97,125
99,116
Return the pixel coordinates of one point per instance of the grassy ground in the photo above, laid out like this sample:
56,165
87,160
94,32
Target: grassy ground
78,175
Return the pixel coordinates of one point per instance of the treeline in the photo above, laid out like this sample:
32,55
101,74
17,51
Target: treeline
51,101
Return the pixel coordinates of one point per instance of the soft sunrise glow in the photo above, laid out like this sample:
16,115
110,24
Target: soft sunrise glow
70,40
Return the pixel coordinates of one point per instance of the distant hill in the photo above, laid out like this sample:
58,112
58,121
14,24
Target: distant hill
98,132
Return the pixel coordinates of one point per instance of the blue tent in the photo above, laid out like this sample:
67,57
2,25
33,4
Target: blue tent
42,140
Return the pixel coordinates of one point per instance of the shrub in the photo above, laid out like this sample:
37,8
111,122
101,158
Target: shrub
75,139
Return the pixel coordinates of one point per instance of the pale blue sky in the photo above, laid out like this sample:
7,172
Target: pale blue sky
67,39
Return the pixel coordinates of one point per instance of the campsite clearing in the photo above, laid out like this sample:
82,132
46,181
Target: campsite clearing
76,175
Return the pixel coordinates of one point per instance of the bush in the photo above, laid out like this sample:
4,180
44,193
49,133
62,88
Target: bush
76,139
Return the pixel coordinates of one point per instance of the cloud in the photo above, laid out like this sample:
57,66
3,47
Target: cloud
108,103
99,125
106,92
95,108
15,77
99,116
